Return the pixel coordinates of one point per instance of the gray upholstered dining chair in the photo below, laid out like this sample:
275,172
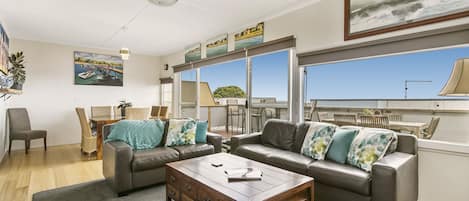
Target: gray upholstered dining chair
20,128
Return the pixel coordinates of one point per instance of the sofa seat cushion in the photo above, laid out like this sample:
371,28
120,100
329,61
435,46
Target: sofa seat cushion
153,158
255,152
290,161
195,150
341,176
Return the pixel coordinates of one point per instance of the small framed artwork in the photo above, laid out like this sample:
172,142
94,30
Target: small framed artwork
4,46
193,52
371,17
217,46
250,36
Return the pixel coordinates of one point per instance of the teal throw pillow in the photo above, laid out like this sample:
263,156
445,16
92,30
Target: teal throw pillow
341,141
139,134
201,132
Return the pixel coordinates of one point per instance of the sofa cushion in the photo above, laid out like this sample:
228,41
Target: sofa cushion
278,133
153,158
301,130
195,150
341,176
255,152
290,161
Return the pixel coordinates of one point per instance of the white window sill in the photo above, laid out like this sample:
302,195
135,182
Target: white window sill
442,146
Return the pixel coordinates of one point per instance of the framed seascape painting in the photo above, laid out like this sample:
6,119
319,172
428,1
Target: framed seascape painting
193,53
250,36
217,46
4,46
371,17
98,69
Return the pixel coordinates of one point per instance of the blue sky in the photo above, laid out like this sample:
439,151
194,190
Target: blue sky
374,78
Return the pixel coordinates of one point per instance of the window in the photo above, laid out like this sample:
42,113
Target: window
167,97
189,94
405,88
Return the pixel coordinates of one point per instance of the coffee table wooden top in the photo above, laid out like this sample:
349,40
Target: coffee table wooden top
275,181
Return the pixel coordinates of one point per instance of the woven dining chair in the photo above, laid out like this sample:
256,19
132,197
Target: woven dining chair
163,114
101,111
136,113
345,119
430,130
88,140
374,121
155,111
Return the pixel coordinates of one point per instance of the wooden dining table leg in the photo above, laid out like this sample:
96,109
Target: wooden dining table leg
99,140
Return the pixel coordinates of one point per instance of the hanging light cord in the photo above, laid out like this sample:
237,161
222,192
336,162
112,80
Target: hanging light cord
125,26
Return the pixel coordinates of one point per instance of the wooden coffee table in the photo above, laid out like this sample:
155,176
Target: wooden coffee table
197,179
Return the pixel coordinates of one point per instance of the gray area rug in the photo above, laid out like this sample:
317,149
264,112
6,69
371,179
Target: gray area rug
97,191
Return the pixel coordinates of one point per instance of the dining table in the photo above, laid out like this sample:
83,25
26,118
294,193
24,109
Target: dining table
415,128
100,122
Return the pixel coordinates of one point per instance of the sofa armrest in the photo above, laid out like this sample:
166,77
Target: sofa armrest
215,140
107,130
238,140
395,178
117,158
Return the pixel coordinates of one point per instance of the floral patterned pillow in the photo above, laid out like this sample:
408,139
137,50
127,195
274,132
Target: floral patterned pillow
317,140
181,132
369,146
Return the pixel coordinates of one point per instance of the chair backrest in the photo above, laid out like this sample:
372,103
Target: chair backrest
85,126
117,111
163,112
136,113
394,117
345,119
101,111
432,127
18,120
155,111
373,121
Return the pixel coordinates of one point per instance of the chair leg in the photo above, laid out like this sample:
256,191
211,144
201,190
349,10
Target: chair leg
45,143
9,147
26,146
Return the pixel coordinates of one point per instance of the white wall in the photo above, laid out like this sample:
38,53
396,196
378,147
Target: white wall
50,95
443,175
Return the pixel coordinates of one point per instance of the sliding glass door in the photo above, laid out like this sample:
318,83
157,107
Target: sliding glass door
238,96
269,88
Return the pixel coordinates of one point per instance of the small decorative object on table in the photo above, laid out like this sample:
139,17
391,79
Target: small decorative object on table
17,70
124,104
243,174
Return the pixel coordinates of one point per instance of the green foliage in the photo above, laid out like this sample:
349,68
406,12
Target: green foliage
123,104
229,92
17,69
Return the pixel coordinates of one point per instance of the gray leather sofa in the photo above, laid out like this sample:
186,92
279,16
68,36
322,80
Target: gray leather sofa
126,169
393,178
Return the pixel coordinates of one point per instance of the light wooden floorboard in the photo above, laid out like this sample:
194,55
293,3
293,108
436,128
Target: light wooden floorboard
23,175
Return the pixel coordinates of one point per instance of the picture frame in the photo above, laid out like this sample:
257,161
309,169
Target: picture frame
408,14
98,69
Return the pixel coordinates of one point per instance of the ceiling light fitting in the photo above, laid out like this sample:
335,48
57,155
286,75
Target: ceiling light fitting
125,53
165,3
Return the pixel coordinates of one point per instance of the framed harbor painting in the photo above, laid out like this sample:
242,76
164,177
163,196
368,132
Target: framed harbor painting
193,53
217,46
4,53
371,17
250,36
98,69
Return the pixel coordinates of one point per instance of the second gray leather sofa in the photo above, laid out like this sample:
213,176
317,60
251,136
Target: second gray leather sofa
393,178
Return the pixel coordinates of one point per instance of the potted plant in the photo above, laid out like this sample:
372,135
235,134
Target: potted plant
122,105
17,70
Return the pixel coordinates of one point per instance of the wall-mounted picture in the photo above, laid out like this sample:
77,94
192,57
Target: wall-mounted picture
4,46
250,36
98,69
217,46
370,17
193,53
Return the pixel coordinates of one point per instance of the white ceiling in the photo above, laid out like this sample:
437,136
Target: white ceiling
155,31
